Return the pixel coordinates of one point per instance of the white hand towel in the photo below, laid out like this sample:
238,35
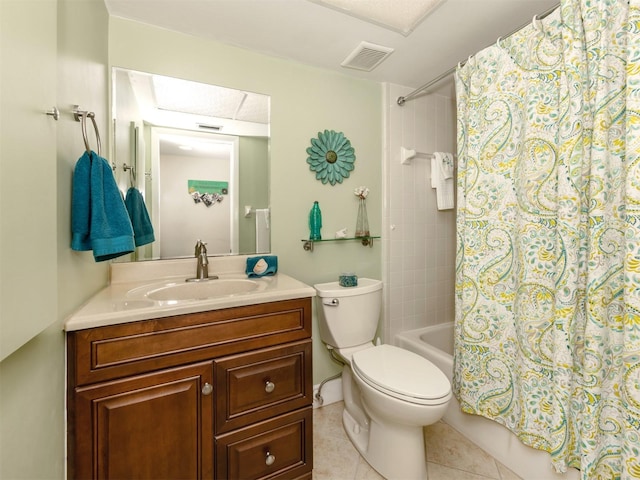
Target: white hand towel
435,173
442,179
446,165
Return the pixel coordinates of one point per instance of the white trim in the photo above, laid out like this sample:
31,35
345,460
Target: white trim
331,393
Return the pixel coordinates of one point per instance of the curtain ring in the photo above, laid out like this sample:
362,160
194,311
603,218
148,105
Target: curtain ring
499,43
537,24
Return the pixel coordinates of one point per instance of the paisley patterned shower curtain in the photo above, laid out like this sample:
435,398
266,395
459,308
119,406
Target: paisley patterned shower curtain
548,258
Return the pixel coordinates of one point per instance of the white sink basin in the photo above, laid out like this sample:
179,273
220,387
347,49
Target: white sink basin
153,290
202,290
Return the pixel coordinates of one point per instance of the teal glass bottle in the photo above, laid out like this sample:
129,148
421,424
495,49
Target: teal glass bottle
315,222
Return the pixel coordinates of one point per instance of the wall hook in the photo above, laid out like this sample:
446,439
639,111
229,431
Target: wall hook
54,112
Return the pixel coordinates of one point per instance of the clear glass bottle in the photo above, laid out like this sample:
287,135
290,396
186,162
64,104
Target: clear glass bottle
362,223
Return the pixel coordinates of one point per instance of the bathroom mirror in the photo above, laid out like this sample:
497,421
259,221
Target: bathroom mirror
199,154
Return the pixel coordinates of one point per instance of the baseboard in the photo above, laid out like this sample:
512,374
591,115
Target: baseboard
331,393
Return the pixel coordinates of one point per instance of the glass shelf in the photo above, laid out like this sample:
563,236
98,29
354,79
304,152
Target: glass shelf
366,241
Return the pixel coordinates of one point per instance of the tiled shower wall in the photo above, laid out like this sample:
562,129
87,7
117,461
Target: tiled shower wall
419,241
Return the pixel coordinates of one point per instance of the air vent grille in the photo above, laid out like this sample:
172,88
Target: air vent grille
206,126
366,56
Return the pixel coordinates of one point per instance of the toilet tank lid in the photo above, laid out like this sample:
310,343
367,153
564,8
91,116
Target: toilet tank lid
333,289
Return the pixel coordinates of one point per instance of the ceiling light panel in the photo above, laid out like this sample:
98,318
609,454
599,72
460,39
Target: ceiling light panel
400,16
201,99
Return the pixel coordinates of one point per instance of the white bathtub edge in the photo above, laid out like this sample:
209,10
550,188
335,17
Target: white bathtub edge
493,438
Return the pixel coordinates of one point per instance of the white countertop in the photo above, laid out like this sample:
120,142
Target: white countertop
125,299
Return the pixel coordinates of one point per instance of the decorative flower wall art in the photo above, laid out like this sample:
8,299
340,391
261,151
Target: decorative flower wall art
331,156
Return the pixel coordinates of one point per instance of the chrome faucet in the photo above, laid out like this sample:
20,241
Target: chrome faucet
202,269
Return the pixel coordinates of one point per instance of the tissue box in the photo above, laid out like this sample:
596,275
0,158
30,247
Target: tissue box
261,266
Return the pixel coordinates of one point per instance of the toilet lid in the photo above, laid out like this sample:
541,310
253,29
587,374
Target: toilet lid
402,374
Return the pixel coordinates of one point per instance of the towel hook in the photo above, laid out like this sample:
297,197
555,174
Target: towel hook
54,112
81,116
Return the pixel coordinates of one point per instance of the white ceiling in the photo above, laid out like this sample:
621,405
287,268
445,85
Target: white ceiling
309,33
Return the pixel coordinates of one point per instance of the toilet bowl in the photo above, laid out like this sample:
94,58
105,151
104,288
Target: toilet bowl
389,393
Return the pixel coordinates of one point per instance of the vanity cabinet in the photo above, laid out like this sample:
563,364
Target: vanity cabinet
221,394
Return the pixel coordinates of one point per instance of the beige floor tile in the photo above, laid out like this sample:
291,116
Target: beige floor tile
334,459
445,446
366,471
334,456
328,420
436,471
505,473
450,455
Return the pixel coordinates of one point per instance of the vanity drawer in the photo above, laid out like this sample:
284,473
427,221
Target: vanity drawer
277,448
110,352
260,384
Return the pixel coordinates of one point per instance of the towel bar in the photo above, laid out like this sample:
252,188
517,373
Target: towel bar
406,155
132,173
81,116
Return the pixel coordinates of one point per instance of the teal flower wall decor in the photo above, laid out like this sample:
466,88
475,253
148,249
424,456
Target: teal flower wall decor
331,156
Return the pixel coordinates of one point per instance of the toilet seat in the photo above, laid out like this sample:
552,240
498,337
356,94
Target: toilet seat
402,374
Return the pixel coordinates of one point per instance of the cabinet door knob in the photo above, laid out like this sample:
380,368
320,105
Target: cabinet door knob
270,459
269,386
207,389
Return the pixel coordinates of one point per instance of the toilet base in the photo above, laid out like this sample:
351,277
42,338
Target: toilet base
394,451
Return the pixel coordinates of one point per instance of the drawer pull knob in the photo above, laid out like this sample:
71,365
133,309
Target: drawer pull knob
207,389
269,387
270,459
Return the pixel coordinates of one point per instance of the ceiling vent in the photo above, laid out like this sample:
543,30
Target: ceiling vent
206,126
366,56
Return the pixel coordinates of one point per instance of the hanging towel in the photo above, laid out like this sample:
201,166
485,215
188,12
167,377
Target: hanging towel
446,165
81,204
142,228
99,219
442,179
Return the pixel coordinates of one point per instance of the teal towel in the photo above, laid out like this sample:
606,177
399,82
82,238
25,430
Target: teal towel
142,228
81,205
261,266
99,218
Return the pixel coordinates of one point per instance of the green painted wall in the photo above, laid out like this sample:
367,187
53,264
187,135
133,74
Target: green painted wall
32,378
304,101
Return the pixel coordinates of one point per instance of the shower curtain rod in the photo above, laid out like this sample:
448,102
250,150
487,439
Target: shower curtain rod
442,76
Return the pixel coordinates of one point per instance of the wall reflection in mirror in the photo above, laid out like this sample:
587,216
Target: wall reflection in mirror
200,158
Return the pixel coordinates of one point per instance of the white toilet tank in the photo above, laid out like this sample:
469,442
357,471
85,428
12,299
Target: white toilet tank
348,316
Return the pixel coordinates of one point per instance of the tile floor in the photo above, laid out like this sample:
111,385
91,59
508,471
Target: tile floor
450,456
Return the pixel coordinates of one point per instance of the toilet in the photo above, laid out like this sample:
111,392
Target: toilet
389,393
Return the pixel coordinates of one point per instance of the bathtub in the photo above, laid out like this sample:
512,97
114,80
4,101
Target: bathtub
435,343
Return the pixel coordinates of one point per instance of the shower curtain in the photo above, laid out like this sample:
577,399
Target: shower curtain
547,336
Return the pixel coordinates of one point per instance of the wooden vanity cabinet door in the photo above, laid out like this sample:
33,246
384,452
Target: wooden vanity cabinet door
154,426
